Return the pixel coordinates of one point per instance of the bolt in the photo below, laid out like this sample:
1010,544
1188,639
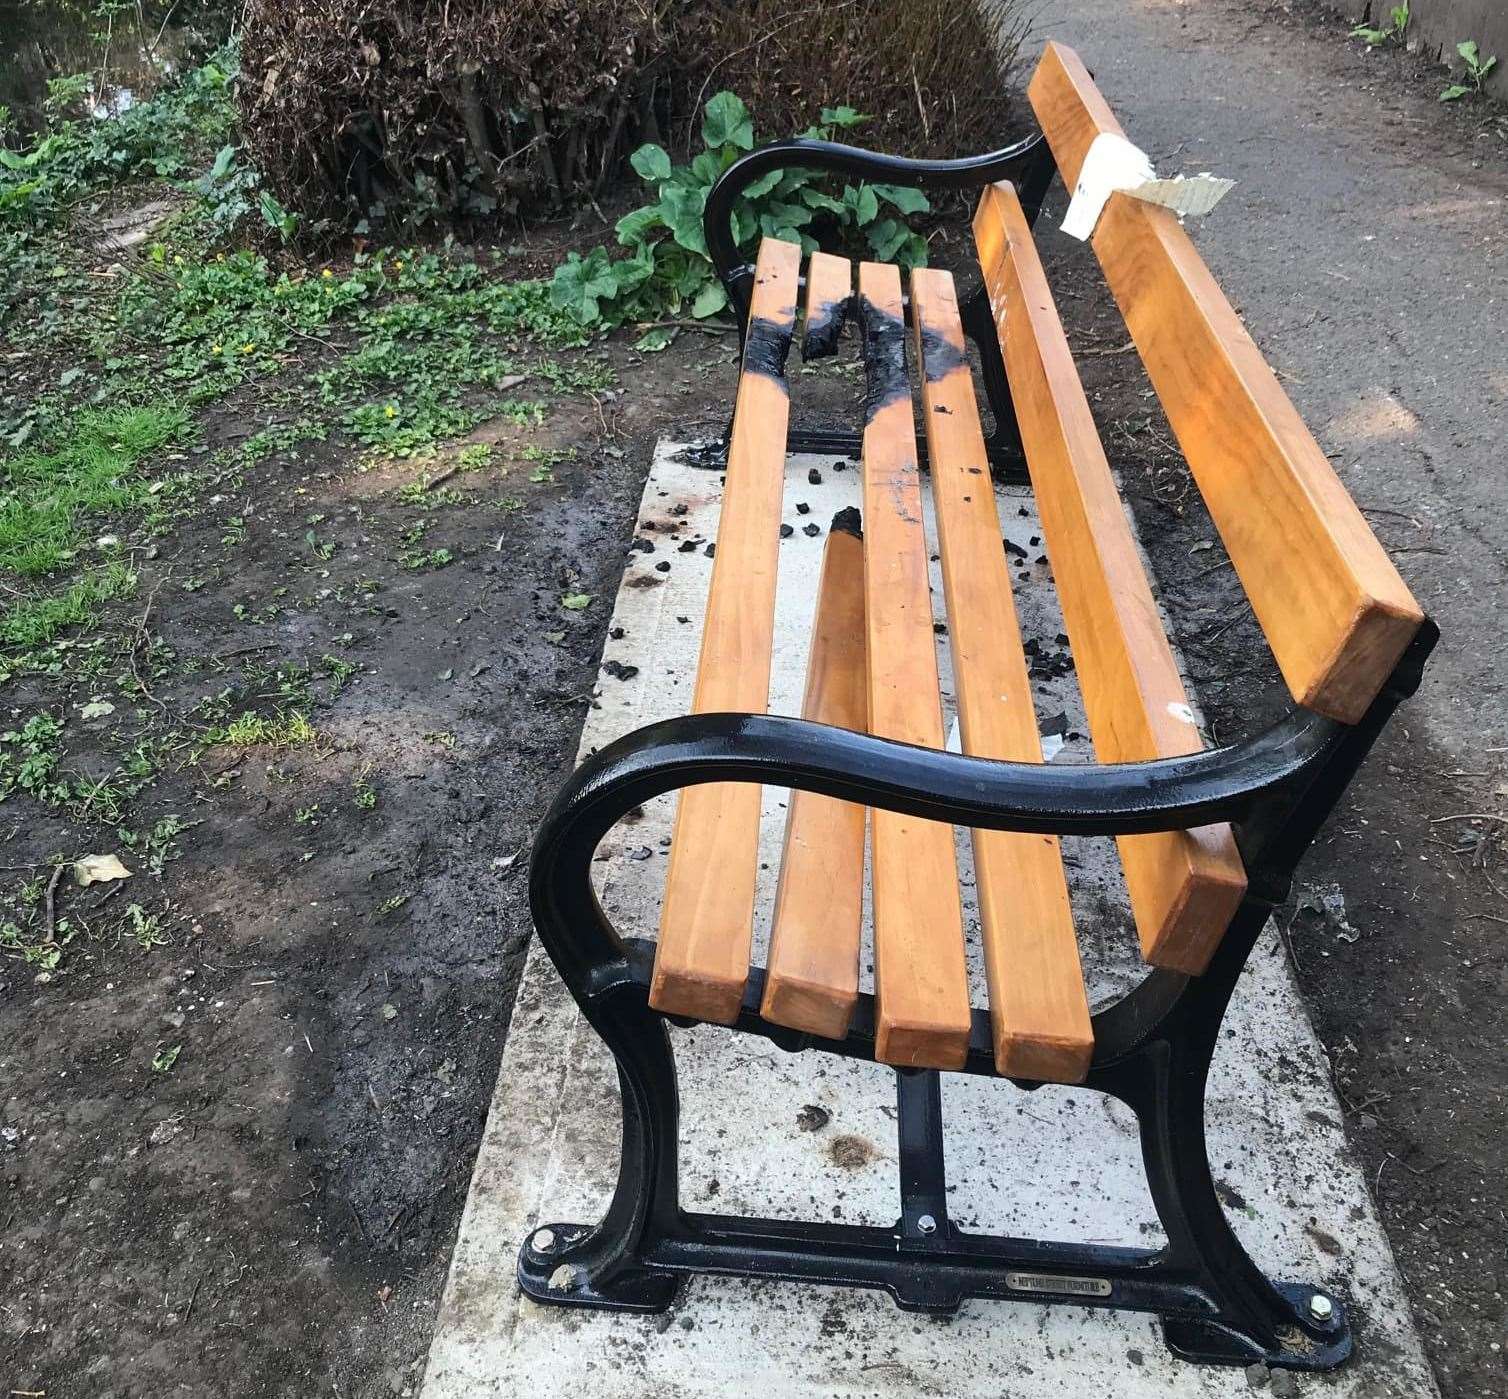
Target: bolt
544,1240
1321,1308
926,1224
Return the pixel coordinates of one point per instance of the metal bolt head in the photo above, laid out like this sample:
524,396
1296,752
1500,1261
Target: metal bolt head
926,1224
544,1240
1321,1308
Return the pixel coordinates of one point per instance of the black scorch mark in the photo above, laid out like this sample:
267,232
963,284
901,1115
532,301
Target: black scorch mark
766,347
884,359
940,357
824,328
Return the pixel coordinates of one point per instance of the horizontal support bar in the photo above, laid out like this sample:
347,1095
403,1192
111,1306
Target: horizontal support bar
961,1266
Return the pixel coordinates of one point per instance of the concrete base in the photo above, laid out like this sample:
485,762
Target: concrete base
1059,1163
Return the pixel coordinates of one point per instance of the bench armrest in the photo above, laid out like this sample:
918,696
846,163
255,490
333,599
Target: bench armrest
1107,799
1028,164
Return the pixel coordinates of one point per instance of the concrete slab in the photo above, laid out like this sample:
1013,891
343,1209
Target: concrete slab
1042,1164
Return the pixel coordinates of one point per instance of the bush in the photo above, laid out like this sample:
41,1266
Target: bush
407,110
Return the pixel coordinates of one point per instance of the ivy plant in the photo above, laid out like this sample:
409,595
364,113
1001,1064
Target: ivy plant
666,269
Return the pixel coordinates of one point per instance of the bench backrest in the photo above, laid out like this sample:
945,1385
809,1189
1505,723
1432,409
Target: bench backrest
1334,609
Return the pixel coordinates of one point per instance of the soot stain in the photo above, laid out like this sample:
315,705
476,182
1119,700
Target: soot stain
766,347
884,359
824,328
940,357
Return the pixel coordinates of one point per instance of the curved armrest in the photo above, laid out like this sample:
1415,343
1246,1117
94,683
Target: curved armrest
1107,799
1028,163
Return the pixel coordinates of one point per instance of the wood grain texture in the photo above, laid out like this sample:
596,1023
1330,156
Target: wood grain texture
707,919
1184,885
812,976
1039,1011
1336,613
921,984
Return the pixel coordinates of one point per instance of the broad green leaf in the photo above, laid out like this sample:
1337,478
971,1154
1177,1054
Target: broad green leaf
650,162
862,202
652,342
709,301
1467,48
707,166
575,602
886,238
682,210
634,228
727,123
842,116
908,201
1454,91
745,224
814,198
764,184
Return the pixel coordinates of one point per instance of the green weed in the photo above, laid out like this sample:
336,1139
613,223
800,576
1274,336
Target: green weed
1477,69
251,730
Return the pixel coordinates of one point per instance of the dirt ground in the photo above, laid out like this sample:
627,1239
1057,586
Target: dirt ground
273,1214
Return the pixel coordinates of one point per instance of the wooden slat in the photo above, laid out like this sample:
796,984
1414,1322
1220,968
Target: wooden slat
1335,611
829,295
707,920
1038,1007
812,976
921,984
1184,885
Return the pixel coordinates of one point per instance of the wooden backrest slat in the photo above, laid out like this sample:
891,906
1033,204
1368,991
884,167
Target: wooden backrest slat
812,974
1039,1011
921,982
1336,613
1183,885
707,919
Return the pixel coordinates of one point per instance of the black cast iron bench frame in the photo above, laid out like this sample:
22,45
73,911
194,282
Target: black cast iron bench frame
1153,1046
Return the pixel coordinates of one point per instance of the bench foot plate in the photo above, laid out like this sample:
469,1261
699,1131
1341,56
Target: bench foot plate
1301,1348
549,1272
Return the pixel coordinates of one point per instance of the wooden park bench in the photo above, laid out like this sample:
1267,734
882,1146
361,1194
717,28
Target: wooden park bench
1208,839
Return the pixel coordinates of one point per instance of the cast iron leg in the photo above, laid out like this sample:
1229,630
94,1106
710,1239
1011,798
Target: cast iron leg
1255,1319
598,1267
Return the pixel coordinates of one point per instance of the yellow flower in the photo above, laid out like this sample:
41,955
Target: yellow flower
219,257
327,274
390,411
177,261
216,348
397,264
248,347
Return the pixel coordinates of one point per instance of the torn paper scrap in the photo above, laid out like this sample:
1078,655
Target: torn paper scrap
1113,164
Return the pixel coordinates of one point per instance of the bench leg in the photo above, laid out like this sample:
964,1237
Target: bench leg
582,1266
1256,1318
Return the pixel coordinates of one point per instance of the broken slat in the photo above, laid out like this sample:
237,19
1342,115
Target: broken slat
707,920
1336,613
812,977
1038,1007
1184,885
921,983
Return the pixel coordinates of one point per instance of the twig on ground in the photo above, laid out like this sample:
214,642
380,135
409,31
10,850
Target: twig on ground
444,476
49,906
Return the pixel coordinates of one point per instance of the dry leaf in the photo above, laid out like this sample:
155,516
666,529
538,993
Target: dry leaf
99,869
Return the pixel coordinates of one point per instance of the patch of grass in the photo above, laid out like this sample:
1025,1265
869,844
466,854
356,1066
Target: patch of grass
88,472
290,729
34,622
